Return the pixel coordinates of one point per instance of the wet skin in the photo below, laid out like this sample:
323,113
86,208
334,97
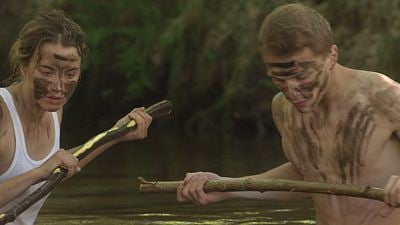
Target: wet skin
302,82
311,84
55,76
48,81
338,125
2,130
345,132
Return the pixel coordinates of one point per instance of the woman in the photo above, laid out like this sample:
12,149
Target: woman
44,72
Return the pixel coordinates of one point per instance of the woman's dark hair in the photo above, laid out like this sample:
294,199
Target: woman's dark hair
52,26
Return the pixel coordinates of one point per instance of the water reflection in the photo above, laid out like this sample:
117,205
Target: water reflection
105,192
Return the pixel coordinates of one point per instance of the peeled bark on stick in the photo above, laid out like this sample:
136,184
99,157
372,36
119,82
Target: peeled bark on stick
262,185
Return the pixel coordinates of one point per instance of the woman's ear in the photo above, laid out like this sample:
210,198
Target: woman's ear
22,72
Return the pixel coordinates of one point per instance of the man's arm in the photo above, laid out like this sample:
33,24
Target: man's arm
285,171
385,97
192,187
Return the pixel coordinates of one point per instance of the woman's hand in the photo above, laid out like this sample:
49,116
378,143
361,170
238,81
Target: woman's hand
143,121
60,158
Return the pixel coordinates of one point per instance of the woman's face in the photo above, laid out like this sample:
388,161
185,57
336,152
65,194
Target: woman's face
53,78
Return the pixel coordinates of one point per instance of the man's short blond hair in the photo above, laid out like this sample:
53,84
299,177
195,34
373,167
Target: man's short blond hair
293,27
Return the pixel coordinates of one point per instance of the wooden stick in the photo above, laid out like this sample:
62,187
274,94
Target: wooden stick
262,185
157,110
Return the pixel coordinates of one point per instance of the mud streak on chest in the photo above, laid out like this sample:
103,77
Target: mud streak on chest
314,143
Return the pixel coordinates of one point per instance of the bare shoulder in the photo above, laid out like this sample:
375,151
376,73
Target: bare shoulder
382,93
4,117
278,105
373,81
6,142
2,108
379,87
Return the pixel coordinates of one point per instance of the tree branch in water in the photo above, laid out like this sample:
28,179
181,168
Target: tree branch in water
262,185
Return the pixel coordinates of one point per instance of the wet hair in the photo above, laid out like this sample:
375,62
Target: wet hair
293,27
52,26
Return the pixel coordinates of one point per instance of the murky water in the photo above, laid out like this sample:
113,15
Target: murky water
106,191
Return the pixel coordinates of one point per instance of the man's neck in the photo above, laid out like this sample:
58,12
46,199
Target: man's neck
337,87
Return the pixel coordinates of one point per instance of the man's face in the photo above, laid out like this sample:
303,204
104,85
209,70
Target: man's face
302,77
54,77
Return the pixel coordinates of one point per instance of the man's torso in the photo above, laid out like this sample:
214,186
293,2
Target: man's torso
349,142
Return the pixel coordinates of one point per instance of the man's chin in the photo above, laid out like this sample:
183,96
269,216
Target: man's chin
305,109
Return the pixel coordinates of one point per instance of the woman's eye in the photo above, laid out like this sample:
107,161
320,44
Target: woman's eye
71,75
46,73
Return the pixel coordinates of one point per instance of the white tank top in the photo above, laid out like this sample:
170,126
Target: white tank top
22,163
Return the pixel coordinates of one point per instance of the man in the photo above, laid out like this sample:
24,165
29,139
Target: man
44,72
338,125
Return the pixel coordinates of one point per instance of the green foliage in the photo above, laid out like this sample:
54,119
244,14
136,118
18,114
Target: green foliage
367,33
122,69
202,55
14,14
215,69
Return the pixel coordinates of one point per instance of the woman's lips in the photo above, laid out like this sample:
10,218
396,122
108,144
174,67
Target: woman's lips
55,99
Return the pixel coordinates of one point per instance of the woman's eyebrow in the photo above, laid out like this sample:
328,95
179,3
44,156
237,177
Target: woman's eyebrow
65,58
46,67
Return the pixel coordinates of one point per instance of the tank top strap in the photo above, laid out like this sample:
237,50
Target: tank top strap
18,131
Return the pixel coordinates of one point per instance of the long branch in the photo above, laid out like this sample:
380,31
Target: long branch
262,185
157,110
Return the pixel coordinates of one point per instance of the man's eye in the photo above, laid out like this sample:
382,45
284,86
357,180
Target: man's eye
276,80
71,75
301,76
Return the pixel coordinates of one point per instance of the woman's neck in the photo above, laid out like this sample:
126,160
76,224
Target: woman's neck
29,111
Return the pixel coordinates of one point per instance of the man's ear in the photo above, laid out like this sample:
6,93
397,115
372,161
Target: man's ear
333,56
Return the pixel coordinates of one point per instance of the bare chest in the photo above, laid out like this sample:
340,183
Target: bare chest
334,147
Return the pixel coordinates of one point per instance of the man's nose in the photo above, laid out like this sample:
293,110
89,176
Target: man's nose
290,84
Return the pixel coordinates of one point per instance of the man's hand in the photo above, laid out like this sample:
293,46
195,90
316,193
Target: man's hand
391,195
192,189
